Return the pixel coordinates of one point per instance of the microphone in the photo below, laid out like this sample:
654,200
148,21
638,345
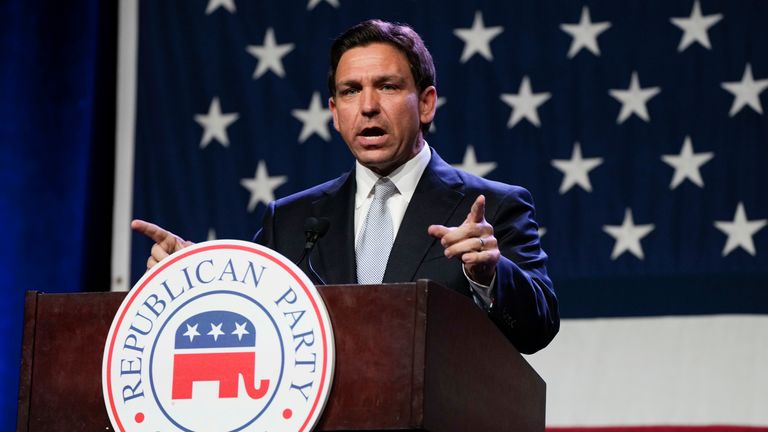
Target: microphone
314,229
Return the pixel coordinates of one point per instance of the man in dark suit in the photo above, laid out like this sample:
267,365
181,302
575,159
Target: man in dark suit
475,236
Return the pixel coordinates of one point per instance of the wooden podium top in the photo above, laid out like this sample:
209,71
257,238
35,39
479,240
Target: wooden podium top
408,356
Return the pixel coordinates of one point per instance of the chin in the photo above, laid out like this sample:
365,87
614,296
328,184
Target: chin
376,164
374,157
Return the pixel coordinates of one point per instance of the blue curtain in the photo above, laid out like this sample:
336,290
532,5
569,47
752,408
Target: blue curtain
52,166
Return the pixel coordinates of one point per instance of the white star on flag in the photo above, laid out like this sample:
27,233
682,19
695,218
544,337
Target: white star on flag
312,3
215,124
472,166
525,103
438,103
191,332
687,164
695,27
270,55
315,119
740,231
215,331
576,170
477,40
240,330
585,33
262,186
634,99
628,236
542,231
211,234
229,5
746,92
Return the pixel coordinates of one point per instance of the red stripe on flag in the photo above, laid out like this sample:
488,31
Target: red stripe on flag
717,428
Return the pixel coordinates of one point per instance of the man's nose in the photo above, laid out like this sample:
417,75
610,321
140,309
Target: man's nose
370,103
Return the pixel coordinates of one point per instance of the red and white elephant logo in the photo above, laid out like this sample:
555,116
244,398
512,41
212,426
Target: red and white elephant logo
216,346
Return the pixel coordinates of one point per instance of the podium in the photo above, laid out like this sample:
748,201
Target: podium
411,356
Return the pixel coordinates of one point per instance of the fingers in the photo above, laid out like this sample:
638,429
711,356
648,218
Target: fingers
477,212
479,255
471,245
151,262
154,232
472,250
166,242
455,235
474,226
438,231
159,252
472,242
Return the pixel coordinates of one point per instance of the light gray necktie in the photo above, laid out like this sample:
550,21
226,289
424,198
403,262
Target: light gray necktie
376,238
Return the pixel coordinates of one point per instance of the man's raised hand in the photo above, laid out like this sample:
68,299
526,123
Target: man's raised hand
166,242
473,242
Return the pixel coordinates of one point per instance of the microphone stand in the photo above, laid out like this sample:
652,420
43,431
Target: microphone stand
314,229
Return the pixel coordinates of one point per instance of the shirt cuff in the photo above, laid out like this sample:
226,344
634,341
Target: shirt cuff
480,293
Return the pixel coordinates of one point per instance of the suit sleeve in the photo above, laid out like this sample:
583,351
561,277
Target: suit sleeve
524,303
266,235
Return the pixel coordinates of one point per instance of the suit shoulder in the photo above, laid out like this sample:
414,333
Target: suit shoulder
314,193
496,188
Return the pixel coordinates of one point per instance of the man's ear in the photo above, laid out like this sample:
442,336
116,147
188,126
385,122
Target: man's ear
332,107
427,104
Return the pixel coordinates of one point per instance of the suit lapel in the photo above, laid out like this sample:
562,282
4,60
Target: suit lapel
336,248
435,199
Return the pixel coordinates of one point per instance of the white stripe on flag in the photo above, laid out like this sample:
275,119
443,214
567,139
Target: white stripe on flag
695,370
126,121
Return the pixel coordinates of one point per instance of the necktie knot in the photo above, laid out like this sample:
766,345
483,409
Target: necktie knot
384,189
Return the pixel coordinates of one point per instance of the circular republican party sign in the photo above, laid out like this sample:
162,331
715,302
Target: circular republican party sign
225,335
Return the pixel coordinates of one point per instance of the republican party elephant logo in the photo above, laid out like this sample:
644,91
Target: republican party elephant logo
216,346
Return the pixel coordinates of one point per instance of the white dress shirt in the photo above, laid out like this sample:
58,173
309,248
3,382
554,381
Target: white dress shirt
405,177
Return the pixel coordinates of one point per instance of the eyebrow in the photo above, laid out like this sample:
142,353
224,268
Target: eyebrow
377,80
386,78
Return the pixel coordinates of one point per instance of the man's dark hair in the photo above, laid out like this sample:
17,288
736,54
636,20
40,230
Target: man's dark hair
401,36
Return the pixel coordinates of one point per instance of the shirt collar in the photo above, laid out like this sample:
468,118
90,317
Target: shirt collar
405,177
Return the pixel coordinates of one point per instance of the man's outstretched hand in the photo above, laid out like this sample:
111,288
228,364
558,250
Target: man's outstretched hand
166,242
473,242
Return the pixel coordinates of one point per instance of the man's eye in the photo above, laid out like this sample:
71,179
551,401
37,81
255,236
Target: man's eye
348,91
389,87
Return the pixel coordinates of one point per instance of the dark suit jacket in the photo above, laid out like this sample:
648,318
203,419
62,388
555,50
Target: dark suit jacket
524,306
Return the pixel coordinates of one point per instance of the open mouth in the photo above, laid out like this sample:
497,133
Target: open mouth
371,137
372,132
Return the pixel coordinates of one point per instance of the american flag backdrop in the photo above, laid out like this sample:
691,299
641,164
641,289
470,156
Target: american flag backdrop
638,126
